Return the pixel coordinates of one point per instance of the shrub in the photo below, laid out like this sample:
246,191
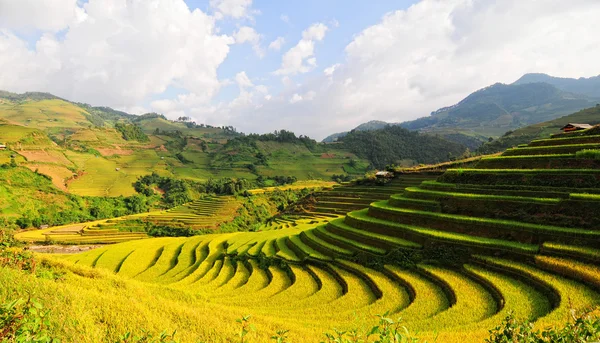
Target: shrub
24,321
588,153
584,328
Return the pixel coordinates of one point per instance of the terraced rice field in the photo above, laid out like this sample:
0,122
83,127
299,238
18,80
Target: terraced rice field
206,213
452,257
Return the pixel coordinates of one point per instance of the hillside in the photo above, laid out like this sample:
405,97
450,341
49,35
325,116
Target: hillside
453,257
396,145
540,130
494,110
97,151
498,108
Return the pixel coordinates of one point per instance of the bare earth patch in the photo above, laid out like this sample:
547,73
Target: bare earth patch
58,174
62,249
50,156
115,151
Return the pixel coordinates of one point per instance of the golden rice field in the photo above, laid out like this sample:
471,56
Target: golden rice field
451,258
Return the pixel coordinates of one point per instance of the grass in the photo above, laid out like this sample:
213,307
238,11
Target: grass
586,273
574,250
571,294
550,150
395,229
340,227
565,140
434,195
495,223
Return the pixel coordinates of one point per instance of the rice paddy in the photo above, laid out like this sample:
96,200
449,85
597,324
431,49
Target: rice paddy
440,255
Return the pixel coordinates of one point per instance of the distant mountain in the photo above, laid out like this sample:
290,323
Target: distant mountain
494,110
500,107
585,86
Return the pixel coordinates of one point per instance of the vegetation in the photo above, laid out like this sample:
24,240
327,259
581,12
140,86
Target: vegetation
132,132
393,144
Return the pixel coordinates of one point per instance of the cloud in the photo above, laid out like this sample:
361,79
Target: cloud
330,70
299,59
121,53
277,44
295,98
236,9
247,34
51,15
432,55
284,18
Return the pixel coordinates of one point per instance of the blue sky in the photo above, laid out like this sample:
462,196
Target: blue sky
344,62
350,16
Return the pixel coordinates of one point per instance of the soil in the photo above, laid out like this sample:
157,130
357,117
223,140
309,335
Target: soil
62,249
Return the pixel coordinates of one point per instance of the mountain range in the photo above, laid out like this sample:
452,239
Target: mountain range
494,110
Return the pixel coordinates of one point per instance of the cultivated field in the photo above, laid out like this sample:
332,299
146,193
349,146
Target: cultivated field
452,257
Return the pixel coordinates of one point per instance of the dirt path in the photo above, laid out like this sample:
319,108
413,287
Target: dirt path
62,249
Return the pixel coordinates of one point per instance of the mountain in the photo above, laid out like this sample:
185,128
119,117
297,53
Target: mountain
540,130
500,107
585,86
494,110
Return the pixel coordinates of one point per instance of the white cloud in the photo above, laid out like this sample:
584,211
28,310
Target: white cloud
277,44
52,15
247,34
330,70
295,98
236,9
121,53
434,54
299,59
284,18
242,80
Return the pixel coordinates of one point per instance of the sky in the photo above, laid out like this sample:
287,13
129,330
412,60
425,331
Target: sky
314,67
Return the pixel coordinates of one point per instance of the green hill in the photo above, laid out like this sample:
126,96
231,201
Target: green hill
397,145
540,130
97,151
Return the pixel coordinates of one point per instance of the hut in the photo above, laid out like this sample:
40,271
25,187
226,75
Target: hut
2,146
575,127
384,175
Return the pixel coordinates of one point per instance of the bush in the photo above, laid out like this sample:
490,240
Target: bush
24,321
584,328
588,153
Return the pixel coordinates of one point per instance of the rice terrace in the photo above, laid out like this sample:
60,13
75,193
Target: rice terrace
159,182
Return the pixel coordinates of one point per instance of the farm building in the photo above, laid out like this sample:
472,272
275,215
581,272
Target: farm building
2,147
575,127
384,175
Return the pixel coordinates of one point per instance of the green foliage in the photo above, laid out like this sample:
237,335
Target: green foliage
393,144
132,132
25,321
588,153
245,328
17,259
387,331
147,337
170,231
584,328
